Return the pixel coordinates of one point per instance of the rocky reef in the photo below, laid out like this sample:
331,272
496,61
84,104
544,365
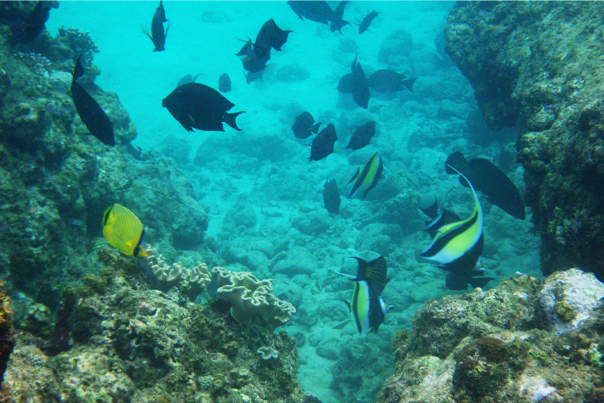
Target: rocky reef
537,67
505,344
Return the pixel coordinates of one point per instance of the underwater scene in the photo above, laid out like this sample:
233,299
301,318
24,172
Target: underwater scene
301,201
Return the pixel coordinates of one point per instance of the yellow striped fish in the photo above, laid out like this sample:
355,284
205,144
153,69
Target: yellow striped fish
458,245
367,176
123,230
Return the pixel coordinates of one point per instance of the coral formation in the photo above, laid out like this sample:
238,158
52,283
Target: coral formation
495,346
267,353
530,70
198,276
7,337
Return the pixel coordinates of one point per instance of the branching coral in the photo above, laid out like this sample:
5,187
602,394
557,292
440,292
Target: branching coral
198,275
250,296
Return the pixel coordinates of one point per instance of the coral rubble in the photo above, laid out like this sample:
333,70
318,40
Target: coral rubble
536,66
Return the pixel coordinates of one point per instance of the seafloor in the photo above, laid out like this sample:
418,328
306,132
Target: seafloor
515,83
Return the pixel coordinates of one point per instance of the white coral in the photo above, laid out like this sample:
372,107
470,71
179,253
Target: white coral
199,275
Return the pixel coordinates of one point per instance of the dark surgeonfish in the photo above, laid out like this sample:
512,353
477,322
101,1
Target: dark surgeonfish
305,126
390,81
331,196
367,176
158,34
367,306
364,25
322,145
362,136
123,230
29,28
269,36
360,88
337,22
201,107
247,49
318,11
224,83
91,113
345,84
187,79
490,180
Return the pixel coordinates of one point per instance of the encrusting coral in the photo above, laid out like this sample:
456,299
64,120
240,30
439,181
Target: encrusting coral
7,338
250,296
198,275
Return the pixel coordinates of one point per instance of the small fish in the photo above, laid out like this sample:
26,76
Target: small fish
490,180
362,136
123,230
187,79
201,107
364,25
331,196
158,34
390,81
28,28
305,126
457,246
318,11
322,145
345,84
224,83
247,49
360,88
91,113
336,22
367,176
498,29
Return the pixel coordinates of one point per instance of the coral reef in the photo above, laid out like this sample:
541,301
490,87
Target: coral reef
128,343
536,66
7,337
496,345
198,276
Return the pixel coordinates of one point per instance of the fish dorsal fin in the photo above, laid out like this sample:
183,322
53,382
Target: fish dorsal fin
355,175
78,70
376,274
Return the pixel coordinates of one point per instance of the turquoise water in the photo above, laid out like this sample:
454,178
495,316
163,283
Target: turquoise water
258,186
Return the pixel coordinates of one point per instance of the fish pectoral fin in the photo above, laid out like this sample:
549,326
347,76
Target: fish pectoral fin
146,32
168,25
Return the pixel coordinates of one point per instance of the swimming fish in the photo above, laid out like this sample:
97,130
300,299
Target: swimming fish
201,107
305,126
123,230
457,246
247,49
91,113
331,196
475,277
364,25
490,180
336,22
158,35
322,145
362,136
390,81
438,220
345,84
318,11
224,83
367,176
29,28
187,79
367,306
360,88
269,36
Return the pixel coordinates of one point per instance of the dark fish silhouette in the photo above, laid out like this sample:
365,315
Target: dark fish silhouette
305,126
247,49
318,11
345,84
269,36
364,25
201,107
322,145
224,83
438,219
360,88
91,113
362,136
490,180
336,22
331,196
187,79
29,28
158,34
460,281
389,81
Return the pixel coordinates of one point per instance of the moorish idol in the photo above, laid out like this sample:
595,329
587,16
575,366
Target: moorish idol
367,176
123,230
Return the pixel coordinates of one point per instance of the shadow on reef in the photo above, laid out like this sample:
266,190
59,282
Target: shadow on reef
529,69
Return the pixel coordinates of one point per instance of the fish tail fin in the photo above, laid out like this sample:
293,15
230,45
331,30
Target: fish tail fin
408,83
78,70
315,128
229,119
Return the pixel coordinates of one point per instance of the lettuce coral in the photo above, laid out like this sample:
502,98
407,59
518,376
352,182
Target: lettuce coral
198,275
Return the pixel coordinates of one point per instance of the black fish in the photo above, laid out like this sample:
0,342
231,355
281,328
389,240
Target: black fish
254,64
30,27
305,126
247,49
360,88
250,77
187,79
318,11
269,36
438,219
201,107
331,196
224,83
322,145
362,136
459,282
389,81
93,116
364,25
158,35
345,84
490,180
337,22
